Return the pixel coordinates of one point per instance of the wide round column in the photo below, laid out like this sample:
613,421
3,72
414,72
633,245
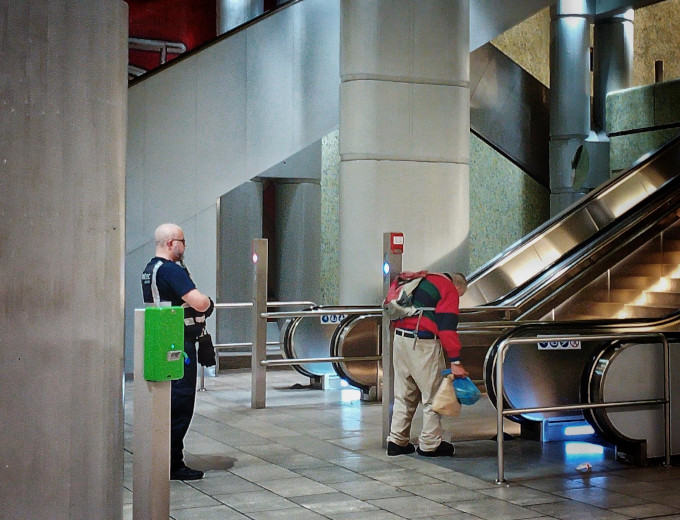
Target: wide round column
62,196
569,97
404,138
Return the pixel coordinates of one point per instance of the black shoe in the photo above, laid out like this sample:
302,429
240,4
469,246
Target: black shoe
445,449
186,473
394,449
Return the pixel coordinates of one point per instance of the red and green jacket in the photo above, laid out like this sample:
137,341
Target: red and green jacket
438,292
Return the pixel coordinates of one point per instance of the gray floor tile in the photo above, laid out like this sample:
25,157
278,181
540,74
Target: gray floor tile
311,441
464,481
332,474
646,510
296,487
260,472
362,464
665,497
443,492
367,490
520,495
219,483
184,496
401,477
368,515
570,510
551,484
333,504
412,507
207,513
251,501
494,509
294,513
599,497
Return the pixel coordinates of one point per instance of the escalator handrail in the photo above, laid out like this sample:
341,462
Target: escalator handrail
646,214
556,221
637,222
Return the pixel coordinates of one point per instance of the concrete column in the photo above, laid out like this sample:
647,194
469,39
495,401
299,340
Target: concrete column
239,222
62,195
569,98
404,138
298,240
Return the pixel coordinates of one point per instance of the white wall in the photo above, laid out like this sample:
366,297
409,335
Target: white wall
219,118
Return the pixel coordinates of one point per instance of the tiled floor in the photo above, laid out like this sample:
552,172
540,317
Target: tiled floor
313,454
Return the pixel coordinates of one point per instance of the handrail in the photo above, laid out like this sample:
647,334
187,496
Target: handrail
238,305
581,203
332,359
235,305
322,312
501,412
293,314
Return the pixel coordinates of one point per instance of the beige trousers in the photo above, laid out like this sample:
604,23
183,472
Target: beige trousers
418,364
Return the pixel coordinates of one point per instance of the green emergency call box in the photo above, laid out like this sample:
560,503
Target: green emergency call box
163,343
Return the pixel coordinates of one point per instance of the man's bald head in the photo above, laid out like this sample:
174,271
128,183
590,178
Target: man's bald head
170,244
166,232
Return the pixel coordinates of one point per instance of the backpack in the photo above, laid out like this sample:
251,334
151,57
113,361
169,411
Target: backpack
399,300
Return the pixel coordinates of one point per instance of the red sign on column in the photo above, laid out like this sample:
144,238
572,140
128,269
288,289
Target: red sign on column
396,243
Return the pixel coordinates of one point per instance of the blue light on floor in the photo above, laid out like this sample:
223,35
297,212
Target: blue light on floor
571,431
348,395
583,448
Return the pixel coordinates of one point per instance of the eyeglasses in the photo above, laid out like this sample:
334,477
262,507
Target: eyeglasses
183,240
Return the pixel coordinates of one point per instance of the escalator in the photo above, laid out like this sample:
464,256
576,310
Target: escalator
588,249
609,264
557,269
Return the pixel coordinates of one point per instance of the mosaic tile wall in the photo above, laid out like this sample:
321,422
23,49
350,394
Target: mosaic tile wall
505,203
656,30
641,107
330,218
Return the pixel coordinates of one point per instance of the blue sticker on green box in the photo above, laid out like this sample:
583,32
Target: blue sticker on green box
163,343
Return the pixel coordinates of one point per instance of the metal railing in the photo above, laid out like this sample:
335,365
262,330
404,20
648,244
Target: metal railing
259,377
502,411
220,347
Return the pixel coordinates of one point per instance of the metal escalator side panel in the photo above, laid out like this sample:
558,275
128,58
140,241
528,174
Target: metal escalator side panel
308,338
623,372
537,256
287,333
539,377
499,279
358,336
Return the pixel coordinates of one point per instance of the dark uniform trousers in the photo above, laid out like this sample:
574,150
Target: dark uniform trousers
183,397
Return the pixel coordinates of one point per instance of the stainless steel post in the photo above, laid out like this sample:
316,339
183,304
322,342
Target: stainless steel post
667,397
151,439
201,386
499,411
258,388
392,266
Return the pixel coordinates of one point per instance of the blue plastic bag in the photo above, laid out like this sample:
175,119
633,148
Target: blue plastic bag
466,391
